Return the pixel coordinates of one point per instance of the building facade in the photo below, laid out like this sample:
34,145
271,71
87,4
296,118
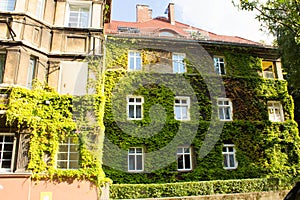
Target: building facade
185,104
50,43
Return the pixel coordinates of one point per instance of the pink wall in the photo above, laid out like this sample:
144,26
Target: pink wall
20,187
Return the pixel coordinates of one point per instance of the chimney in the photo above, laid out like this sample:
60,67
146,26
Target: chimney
143,13
171,13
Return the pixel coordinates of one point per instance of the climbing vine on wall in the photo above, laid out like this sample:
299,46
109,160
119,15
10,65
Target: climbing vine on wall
48,118
264,148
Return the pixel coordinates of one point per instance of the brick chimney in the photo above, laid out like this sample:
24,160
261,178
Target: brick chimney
171,13
143,13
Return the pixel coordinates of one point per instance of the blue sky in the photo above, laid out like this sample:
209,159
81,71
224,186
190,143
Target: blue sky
217,16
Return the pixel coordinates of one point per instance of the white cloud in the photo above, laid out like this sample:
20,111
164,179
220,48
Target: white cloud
220,17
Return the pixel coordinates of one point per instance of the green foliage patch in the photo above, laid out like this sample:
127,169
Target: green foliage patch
136,191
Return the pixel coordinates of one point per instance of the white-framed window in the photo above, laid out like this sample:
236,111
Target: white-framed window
7,5
184,158
268,69
40,8
229,160
219,64
135,159
78,14
182,108
224,109
68,154
134,61
275,111
135,107
2,65
178,62
7,151
31,73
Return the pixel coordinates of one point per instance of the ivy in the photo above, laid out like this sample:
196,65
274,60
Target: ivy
48,118
264,148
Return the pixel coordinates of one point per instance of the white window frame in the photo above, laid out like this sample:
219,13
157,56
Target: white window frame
272,107
226,155
182,105
218,65
40,9
81,5
134,104
178,60
69,143
223,107
182,154
137,60
12,160
6,5
135,156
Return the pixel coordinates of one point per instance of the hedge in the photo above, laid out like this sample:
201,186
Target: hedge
180,189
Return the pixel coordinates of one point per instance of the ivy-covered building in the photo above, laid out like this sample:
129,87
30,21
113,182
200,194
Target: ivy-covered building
47,48
185,104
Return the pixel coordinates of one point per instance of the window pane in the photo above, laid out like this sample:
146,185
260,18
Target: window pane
187,161
73,165
227,113
180,162
177,112
138,111
225,161
231,160
221,114
138,100
139,150
6,164
62,156
184,111
62,164
139,162
179,150
131,150
7,155
131,162
74,156
131,111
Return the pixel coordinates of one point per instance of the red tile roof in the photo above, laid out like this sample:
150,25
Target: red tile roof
156,26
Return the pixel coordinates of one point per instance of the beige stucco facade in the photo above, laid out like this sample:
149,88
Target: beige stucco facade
41,30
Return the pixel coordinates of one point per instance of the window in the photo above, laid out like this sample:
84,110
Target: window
134,107
275,111
135,159
40,9
219,64
79,15
7,146
2,66
134,61
229,160
181,108
225,109
184,158
178,63
31,72
68,154
7,5
268,69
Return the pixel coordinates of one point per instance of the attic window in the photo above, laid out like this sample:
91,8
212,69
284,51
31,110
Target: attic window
167,33
124,29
